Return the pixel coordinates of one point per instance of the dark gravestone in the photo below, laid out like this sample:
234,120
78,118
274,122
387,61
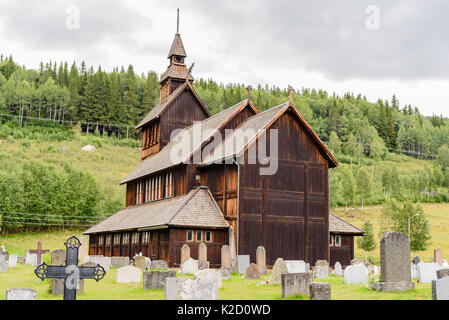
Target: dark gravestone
156,279
320,291
395,263
416,260
296,283
71,273
443,273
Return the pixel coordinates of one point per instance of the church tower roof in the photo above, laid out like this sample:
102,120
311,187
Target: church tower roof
177,47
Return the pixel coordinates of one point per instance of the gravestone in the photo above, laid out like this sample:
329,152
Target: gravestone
295,266
12,262
4,253
308,267
320,291
252,272
226,257
204,288
190,266
296,283
58,258
207,273
427,272
147,263
440,289
39,252
356,274
156,279
261,259
225,274
242,263
31,259
321,269
185,252
84,249
232,250
159,264
438,257
413,271
3,265
202,252
203,265
119,262
128,274
21,294
70,272
416,260
338,269
21,259
104,262
395,273
445,264
173,287
279,268
442,273
139,262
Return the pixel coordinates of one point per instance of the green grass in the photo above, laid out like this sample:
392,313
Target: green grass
235,288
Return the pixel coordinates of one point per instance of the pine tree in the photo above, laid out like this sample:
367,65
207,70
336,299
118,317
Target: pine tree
367,243
131,99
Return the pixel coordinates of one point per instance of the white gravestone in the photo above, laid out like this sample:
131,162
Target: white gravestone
243,263
128,274
338,269
440,289
204,288
426,272
31,259
12,262
356,274
190,266
295,266
206,273
21,294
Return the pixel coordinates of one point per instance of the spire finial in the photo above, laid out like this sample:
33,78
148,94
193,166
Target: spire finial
291,90
249,88
177,23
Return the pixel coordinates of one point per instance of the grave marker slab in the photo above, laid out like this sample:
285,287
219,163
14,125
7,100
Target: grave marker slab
156,279
173,287
21,294
338,269
261,259
226,257
242,263
57,285
119,262
185,252
320,291
279,268
209,273
39,252
202,252
395,272
442,273
159,264
252,272
438,257
30,259
296,283
190,266
12,262
295,266
427,272
4,267
416,260
356,274
204,288
84,249
139,262
128,274
440,289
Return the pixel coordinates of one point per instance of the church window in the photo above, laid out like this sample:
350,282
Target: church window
135,238
199,236
337,241
190,235
169,184
331,240
108,239
101,240
146,237
208,236
117,239
139,192
125,238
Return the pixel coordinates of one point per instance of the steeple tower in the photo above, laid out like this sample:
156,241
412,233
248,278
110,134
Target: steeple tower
177,72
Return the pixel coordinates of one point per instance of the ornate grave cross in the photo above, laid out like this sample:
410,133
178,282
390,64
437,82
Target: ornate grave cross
39,252
71,273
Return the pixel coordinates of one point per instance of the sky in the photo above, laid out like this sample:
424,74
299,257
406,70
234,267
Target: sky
373,47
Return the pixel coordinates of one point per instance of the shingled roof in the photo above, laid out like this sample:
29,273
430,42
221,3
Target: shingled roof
157,111
163,159
195,209
338,225
177,47
253,127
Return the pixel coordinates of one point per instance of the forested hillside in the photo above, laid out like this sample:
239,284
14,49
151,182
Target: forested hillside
387,150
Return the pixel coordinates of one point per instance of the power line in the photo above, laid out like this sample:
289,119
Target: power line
48,215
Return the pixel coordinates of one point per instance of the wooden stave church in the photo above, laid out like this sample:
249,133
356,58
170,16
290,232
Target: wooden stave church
171,203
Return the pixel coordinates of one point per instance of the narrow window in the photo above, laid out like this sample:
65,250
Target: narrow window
199,236
117,239
208,236
101,240
338,241
331,240
108,240
190,235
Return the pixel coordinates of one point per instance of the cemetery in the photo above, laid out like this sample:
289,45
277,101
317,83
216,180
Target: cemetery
393,279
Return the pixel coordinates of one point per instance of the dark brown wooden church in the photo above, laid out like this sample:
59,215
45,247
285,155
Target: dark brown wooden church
176,196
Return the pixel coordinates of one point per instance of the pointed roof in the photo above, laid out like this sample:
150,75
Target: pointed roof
177,47
163,159
195,209
338,225
160,108
253,127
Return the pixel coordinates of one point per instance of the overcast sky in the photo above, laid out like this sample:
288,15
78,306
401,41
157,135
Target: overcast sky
376,48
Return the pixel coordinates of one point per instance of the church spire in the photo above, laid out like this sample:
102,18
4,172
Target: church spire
177,72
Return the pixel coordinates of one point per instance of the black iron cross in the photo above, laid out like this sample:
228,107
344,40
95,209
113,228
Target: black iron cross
71,273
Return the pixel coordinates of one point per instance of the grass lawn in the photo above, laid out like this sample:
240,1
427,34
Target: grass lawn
234,289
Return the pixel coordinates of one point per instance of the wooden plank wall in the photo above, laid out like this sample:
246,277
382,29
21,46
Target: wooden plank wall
343,254
287,212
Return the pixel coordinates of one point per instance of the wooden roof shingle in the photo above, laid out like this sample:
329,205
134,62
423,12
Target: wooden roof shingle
195,209
338,225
